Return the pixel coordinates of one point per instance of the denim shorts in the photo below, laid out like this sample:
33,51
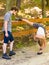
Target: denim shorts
9,38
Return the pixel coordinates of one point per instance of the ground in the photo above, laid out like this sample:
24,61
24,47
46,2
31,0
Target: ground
28,56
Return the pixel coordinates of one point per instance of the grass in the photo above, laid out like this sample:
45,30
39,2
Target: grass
30,44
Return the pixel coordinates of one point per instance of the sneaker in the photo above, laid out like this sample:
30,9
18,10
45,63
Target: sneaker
12,53
39,53
5,56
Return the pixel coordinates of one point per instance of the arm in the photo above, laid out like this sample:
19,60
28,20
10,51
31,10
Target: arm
27,21
6,19
5,28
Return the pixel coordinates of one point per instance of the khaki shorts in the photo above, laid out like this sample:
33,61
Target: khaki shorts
40,33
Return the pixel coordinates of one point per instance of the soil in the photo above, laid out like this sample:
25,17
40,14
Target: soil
28,56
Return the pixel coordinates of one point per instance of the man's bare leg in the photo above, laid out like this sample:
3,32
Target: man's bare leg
4,47
11,49
11,45
5,56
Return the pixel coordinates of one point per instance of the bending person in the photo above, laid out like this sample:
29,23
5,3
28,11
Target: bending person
40,35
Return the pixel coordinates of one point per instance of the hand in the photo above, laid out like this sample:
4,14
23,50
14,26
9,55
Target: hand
19,19
6,34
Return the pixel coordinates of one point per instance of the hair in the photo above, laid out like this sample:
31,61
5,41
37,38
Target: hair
14,8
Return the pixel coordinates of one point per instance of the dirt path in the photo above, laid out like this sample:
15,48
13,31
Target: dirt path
26,56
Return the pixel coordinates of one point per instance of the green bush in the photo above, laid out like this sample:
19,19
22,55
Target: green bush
47,23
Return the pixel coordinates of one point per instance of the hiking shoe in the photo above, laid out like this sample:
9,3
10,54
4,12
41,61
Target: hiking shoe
5,56
39,53
12,53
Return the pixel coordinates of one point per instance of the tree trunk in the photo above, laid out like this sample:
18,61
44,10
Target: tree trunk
47,2
8,5
43,8
18,3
